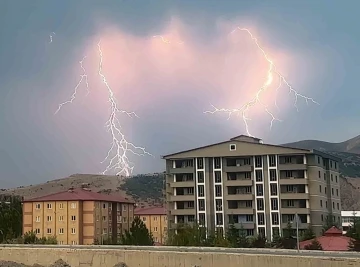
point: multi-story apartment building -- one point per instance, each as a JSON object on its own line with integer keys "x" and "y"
{"x": 257, "y": 186}
{"x": 78, "y": 216}
{"x": 155, "y": 219}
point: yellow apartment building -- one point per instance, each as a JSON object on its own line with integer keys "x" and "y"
{"x": 155, "y": 219}
{"x": 78, "y": 216}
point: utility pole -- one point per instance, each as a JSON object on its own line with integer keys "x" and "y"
{"x": 296, "y": 222}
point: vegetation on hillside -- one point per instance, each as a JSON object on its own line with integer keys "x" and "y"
{"x": 145, "y": 187}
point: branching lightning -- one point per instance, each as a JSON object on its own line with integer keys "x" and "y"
{"x": 117, "y": 154}
{"x": 165, "y": 40}
{"x": 272, "y": 71}
{"x": 83, "y": 77}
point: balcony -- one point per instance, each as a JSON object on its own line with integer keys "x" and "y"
{"x": 293, "y": 210}
{"x": 187, "y": 211}
{"x": 240, "y": 211}
{"x": 237, "y": 165}
{"x": 239, "y": 182}
{"x": 183, "y": 166}
{"x": 245, "y": 225}
{"x": 182, "y": 198}
{"x": 291, "y": 163}
{"x": 292, "y": 195}
{"x": 239, "y": 197}
{"x": 292, "y": 167}
{"x": 293, "y": 181}
{"x": 182, "y": 170}
{"x": 182, "y": 184}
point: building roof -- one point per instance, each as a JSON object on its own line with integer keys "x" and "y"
{"x": 332, "y": 240}
{"x": 80, "y": 194}
{"x": 150, "y": 211}
{"x": 241, "y": 139}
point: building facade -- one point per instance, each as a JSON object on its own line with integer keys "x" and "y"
{"x": 347, "y": 218}
{"x": 257, "y": 186}
{"x": 155, "y": 219}
{"x": 78, "y": 216}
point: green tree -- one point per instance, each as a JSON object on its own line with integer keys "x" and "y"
{"x": 243, "y": 240}
{"x": 10, "y": 218}
{"x": 354, "y": 234}
{"x": 232, "y": 235}
{"x": 188, "y": 235}
{"x": 329, "y": 222}
{"x": 314, "y": 245}
{"x": 258, "y": 242}
{"x": 277, "y": 241}
{"x": 138, "y": 234}
{"x": 307, "y": 234}
{"x": 220, "y": 240}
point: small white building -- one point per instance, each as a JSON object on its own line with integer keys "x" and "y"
{"x": 347, "y": 218}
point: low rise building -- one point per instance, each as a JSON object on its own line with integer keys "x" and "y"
{"x": 155, "y": 219}
{"x": 347, "y": 217}
{"x": 78, "y": 216}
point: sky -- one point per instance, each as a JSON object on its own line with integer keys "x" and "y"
{"x": 169, "y": 83}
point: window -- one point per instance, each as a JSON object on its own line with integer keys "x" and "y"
{"x": 73, "y": 218}
{"x": 200, "y": 177}
{"x": 261, "y": 219}
{"x": 336, "y": 179}
{"x": 330, "y": 163}
{"x": 124, "y": 207}
{"x": 332, "y": 178}
{"x": 259, "y": 177}
{"x": 274, "y": 204}
{"x": 61, "y": 231}
{"x": 201, "y": 204}
{"x": 275, "y": 218}
{"x": 260, "y": 204}
{"x": 202, "y": 218}
{"x": 155, "y": 229}
{"x": 249, "y": 218}
{"x": 272, "y": 161}
{"x": 273, "y": 189}
{"x": 321, "y": 204}
{"x": 104, "y": 218}
{"x": 49, "y": 206}
{"x": 49, "y": 219}
{"x": 258, "y": 161}
{"x": 217, "y": 163}
{"x": 332, "y": 191}
{"x": 48, "y": 231}
{"x": 288, "y": 174}
{"x": 218, "y": 190}
{"x": 61, "y": 205}
{"x": 37, "y": 231}
{"x": 338, "y": 206}
{"x": 320, "y": 188}
{"x": 287, "y": 159}
{"x": 290, "y": 203}
{"x": 119, "y": 219}
{"x": 73, "y": 231}
{"x": 318, "y": 159}
{"x": 201, "y": 190}
{"x": 200, "y": 163}
{"x": 324, "y": 177}
{"x": 61, "y": 218}
{"x": 322, "y": 217}
{"x": 218, "y": 203}
{"x": 326, "y": 204}
{"x": 259, "y": 190}
{"x": 232, "y": 147}
{"x": 249, "y": 232}
{"x": 325, "y": 190}
{"x": 144, "y": 219}
{"x": 219, "y": 219}
{"x": 73, "y": 205}
{"x": 319, "y": 174}
{"x": 335, "y": 165}
{"x": 248, "y": 203}
{"x": 273, "y": 175}
{"x": 73, "y": 242}
{"x": 155, "y": 218}
{"x": 333, "y": 204}
{"x": 247, "y": 175}
{"x": 124, "y": 220}
{"x": 217, "y": 177}
{"x": 37, "y": 218}
{"x": 37, "y": 206}
{"x": 261, "y": 231}
{"x": 337, "y": 192}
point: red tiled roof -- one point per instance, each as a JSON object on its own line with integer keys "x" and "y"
{"x": 80, "y": 194}
{"x": 150, "y": 211}
{"x": 332, "y": 240}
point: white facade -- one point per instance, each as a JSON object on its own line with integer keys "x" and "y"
{"x": 346, "y": 219}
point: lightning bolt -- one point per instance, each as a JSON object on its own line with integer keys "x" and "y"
{"x": 165, "y": 40}
{"x": 51, "y": 37}
{"x": 117, "y": 154}
{"x": 83, "y": 77}
{"x": 256, "y": 100}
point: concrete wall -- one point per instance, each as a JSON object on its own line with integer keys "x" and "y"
{"x": 108, "y": 256}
